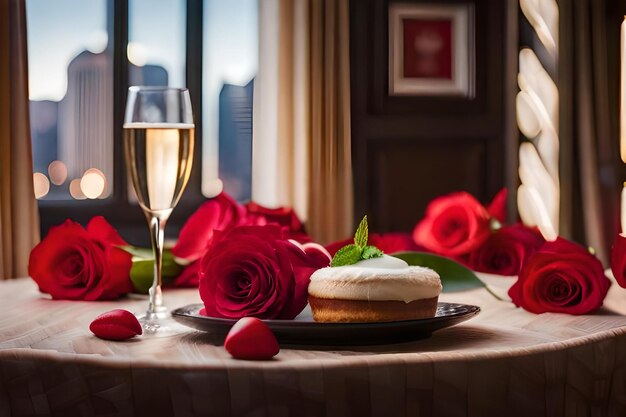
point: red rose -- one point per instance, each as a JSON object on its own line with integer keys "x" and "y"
{"x": 219, "y": 213}
{"x": 188, "y": 277}
{"x": 618, "y": 260}
{"x": 497, "y": 207}
{"x": 332, "y": 248}
{"x": 283, "y": 216}
{"x": 454, "y": 225}
{"x": 387, "y": 242}
{"x": 254, "y": 271}
{"x": 394, "y": 242}
{"x": 72, "y": 263}
{"x": 561, "y": 277}
{"x": 506, "y": 250}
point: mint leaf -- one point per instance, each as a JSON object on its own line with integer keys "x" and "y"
{"x": 360, "y": 237}
{"x": 370, "y": 252}
{"x": 358, "y": 251}
{"x": 454, "y": 276}
{"x": 348, "y": 255}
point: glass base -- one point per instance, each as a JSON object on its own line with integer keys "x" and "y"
{"x": 160, "y": 324}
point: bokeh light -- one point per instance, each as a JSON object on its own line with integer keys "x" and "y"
{"x": 212, "y": 187}
{"x": 58, "y": 172}
{"x": 93, "y": 183}
{"x": 41, "y": 185}
{"x": 75, "y": 191}
{"x": 104, "y": 178}
{"x": 97, "y": 41}
{"x": 137, "y": 54}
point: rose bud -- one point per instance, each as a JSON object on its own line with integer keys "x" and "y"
{"x": 561, "y": 277}
{"x": 72, "y": 263}
{"x": 454, "y": 225}
{"x": 255, "y": 271}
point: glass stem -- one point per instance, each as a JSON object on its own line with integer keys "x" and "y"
{"x": 156, "y": 309}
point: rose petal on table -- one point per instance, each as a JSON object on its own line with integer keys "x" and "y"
{"x": 116, "y": 325}
{"x": 250, "y": 338}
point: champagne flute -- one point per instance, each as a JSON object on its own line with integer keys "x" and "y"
{"x": 158, "y": 145}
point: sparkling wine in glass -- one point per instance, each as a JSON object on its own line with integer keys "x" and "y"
{"x": 158, "y": 145}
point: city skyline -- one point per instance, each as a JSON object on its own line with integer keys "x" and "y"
{"x": 83, "y": 119}
{"x": 78, "y": 129}
{"x": 72, "y": 115}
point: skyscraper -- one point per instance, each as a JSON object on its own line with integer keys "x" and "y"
{"x": 147, "y": 75}
{"x": 86, "y": 115}
{"x": 43, "y": 120}
{"x": 235, "y": 140}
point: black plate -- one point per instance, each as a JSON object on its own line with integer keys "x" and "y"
{"x": 303, "y": 330}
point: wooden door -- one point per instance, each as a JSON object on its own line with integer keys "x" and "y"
{"x": 409, "y": 149}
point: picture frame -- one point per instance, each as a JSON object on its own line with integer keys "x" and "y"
{"x": 431, "y": 49}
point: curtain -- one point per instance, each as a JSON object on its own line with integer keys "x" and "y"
{"x": 301, "y": 124}
{"x": 590, "y": 151}
{"x": 19, "y": 224}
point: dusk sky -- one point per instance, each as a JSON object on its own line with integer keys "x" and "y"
{"x": 59, "y": 30}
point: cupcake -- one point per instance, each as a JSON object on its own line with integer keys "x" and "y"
{"x": 380, "y": 289}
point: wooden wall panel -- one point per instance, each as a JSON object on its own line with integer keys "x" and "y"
{"x": 406, "y": 181}
{"x": 407, "y": 150}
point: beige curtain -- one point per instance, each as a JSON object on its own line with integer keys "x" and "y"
{"x": 301, "y": 125}
{"x": 590, "y": 151}
{"x": 19, "y": 223}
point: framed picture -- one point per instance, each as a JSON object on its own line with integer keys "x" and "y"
{"x": 431, "y": 49}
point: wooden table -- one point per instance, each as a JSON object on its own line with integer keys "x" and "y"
{"x": 504, "y": 362}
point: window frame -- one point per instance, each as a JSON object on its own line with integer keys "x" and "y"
{"x": 125, "y": 216}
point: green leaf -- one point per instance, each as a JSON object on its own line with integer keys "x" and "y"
{"x": 144, "y": 253}
{"x": 141, "y": 274}
{"x": 142, "y": 271}
{"x": 371, "y": 252}
{"x": 348, "y": 255}
{"x": 360, "y": 237}
{"x": 454, "y": 276}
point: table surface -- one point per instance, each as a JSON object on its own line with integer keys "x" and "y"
{"x": 503, "y": 359}
{"x": 33, "y": 324}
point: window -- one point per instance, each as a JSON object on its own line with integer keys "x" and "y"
{"x": 230, "y": 57}
{"x": 83, "y": 55}
{"x": 156, "y": 42}
{"x": 71, "y": 98}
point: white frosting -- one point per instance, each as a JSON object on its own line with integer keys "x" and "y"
{"x": 380, "y": 279}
